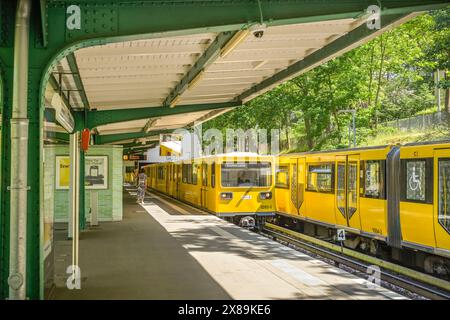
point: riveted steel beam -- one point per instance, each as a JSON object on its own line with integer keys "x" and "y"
{"x": 43, "y": 18}
{"x": 98, "y": 118}
{"x": 119, "y": 18}
{"x": 137, "y": 151}
{"x": 330, "y": 51}
{"x": 208, "y": 57}
{"x": 136, "y": 147}
{"x": 111, "y": 138}
{"x": 59, "y": 136}
{"x": 72, "y": 61}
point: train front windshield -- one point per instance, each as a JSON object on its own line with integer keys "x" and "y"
{"x": 245, "y": 174}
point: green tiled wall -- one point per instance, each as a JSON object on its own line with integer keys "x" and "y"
{"x": 109, "y": 200}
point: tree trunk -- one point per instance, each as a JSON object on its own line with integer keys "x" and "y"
{"x": 309, "y": 138}
{"x": 383, "y": 44}
{"x": 372, "y": 56}
{"x": 447, "y": 94}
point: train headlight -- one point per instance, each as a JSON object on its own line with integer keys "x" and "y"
{"x": 226, "y": 195}
{"x": 265, "y": 195}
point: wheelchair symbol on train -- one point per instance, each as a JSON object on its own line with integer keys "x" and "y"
{"x": 414, "y": 181}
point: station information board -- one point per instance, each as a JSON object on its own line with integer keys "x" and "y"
{"x": 135, "y": 157}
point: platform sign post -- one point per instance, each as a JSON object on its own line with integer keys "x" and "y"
{"x": 340, "y": 236}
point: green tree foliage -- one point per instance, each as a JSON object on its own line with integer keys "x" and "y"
{"x": 388, "y": 78}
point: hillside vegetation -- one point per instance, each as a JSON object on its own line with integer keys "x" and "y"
{"x": 388, "y": 78}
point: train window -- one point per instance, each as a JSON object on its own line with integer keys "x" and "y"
{"x": 246, "y": 174}
{"x": 213, "y": 175}
{"x": 373, "y": 179}
{"x": 194, "y": 173}
{"x": 416, "y": 180}
{"x": 160, "y": 173}
{"x": 187, "y": 173}
{"x": 444, "y": 194}
{"x": 320, "y": 178}
{"x": 282, "y": 177}
{"x": 352, "y": 182}
{"x": 204, "y": 174}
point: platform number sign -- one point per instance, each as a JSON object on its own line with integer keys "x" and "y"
{"x": 341, "y": 235}
{"x": 73, "y": 21}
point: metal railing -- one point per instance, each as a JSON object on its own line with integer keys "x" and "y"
{"x": 420, "y": 122}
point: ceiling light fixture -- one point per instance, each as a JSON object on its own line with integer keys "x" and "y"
{"x": 196, "y": 80}
{"x": 234, "y": 42}
{"x": 174, "y": 101}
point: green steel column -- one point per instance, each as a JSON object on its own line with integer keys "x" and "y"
{"x": 35, "y": 114}
{"x": 7, "y": 12}
{"x": 82, "y": 197}
{"x": 5, "y": 163}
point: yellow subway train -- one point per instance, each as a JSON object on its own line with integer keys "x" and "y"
{"x": 392, "y": 200}
{"x": 236, "y": 184}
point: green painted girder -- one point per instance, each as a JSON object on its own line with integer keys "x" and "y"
{"x": 55, "y": 85}
{"x": 208, "y": 57}
{"x": 129, "y": 150}
{"x": 118, "y": 18}
{"x": 335, "y": 48}
{"x": 98, "y": 118}
{"x": 111, "y": 138}
{"x": 137, "y": 145}
{"x": 72, "y": 61}
{"x": 60, "y": 136}
{"x": 43, "y": 18}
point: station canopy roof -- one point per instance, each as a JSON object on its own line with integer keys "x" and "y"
{"x": 221, "y": 70}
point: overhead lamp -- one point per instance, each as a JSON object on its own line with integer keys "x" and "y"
{"x": 174, "y": 101}
{"x": 234, "y": 42}
{"x": 196, "y": 79}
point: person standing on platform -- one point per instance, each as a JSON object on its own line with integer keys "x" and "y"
{"x": 142, "y": 186}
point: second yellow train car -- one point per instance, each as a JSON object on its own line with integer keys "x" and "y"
{"x": 389, "y": 197}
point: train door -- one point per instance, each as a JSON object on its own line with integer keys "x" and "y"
{"x": 442, "y": 198}
{"x": 178, "y": 181}
{"x": 204, "y": 186}
{"x": 167, "y": 176}
{"x": 173, "y": 192}
{"x": 347, "y": 187}
{"x": 297, "y": 183}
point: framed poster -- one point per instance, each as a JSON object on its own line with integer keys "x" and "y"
{"x": 62, "y": 172}
{"x": 96, "y": 172}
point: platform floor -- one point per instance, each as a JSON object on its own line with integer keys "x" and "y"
{"x": 167, "y": 250}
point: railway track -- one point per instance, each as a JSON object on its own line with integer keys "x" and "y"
{"x": 402, "y": 278}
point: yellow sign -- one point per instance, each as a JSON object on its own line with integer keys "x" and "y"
{"x": 62, "y": 172}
